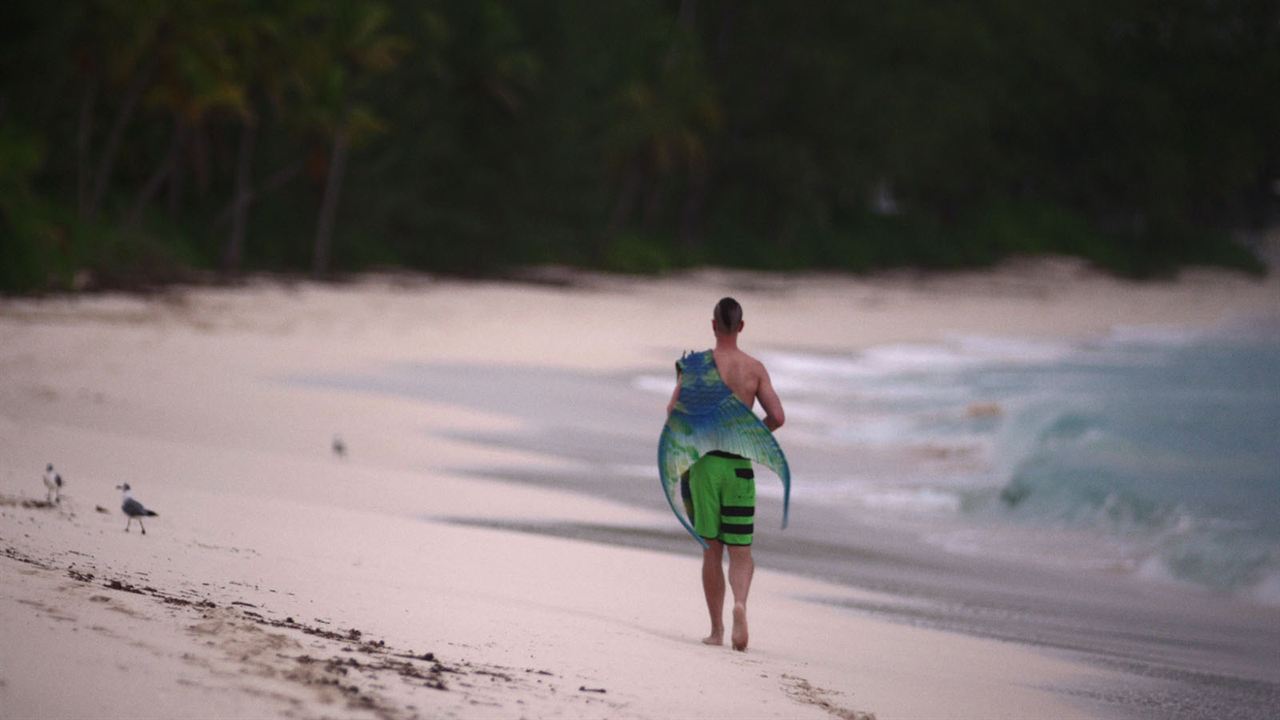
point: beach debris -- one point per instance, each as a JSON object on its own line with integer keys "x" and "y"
{"x": 985, "y": 410}
{"x": 801, "y": 691}
{"x": 8, "y": 501}
{"x": 79, "y": 575}
{"x": 101, "y": 509}
{"x": 134, "y": 509}
{"x": 258, "y": 643}
{"x": 1015, "y": 492}
{"x": 115, "y": 584}
{"x": 53, "y": 484}
{"x": 339, "y": 447}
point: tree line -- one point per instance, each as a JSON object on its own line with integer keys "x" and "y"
{"x": 140, "y": 140}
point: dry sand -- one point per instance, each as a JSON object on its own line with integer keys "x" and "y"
{"x": 279, "y": 580}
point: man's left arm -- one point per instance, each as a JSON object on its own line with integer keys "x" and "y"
{"x": 774, "y": 416}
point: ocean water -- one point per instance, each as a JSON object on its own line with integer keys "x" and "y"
{"x": 1153, "y": 452}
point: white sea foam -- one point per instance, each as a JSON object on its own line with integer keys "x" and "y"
{"x": 883, "y": 430}
{"x": 913, "y": 358}
{"x": 814, "y": 413}
{"x": 1162, "y": 335}
{"x": 955, "y": 353}
{"x": 1154, "y": 569}
{"x": 912, "y": 500}
{"x": 1267, "y": 590}
{"x": 806, "y": 365}
{"x": 915, "y": 391}
{"x": 646, "y": 470}
{"x": 654, "y": 384}
{"x": 993, "y": 349}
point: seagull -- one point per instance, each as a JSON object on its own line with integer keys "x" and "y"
{"x": 53, "y": 483}
{"x": 134, "y": 509}
{"x": 339, "y": 447}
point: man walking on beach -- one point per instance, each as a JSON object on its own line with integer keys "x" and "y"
{"x": 719, "y": 489}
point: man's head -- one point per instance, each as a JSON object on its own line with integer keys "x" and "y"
{"x": 727, "y": 318}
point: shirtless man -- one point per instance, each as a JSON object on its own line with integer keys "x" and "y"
{"x": 727, "y": 481}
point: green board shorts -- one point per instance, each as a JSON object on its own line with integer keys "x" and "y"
{"x": 719, "y": 494}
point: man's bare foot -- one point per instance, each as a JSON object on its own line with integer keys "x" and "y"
{"x": 739, "y": 626}
{"x": 715, "y": 638}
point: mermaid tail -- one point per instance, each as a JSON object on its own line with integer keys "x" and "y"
{"x": 708, "y": 416}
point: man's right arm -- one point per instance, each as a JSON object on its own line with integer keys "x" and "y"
{"x": 774, "y": 416}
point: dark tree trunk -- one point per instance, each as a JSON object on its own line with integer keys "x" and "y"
{"x": 728, "y": 15}
{"x": 686, "y": 15}
{"x": 329, "y": 204}
{"x": 653, "y": 203}
{"x": 276, "y": 181}
{"x": 106, "y": 165}
{"x": 162, "y": 173}
{"x": 84, "y": 136}
{"x": 177, "y": 174}
{"x": 200, "y": 159}
{"x": 695, "y": 200}
{"x": 627, "y": 196}
{"x": 231, "y": 258}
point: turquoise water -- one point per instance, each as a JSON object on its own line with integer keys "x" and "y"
{"x": 1157, "y": 448}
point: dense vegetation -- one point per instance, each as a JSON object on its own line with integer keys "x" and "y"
{"x": 139, "y": 139}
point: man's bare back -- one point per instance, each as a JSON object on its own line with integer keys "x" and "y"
{"x": 748, "y": 379}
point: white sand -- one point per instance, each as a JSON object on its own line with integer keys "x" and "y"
{"x": 184, "y": 397}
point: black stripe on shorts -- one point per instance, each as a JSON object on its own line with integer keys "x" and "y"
{"x": 737, "y": 529}
{"x": 746, "y": 473}
{"x": 736, "y": 511}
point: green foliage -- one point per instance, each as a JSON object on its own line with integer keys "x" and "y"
{"x": 26, "y": 237}
{"x": 632, "y": 135}
{"x": 53, "y": 250}
{"x": 636, "y": 254}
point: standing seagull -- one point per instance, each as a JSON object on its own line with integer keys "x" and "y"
{"x": 53, "y": 483}
{"x": 339, "y": 447}
{"x": 134, "y": 509}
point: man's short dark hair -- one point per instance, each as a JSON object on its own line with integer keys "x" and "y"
{"x": 728, "y": 314}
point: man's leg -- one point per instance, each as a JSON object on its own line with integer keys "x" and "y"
{"x": 713, "y": 588}
{"x": 741, "y": 568}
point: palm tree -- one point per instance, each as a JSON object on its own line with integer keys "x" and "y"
{"x": 119, "y": 44}
{"x": 339, "y": 63}
{"x": 195, "y": 78}
{"x": 263, "y": 50}
{"x": 664, "y": 125}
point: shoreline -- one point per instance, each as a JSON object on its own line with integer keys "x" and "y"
{"x": 195, "y": 401}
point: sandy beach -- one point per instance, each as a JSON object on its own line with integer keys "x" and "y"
{"x": 410, "y": 578}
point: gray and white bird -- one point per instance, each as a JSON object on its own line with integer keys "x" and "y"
{"x": 52, "y": 483}
{"x": 134, "y": 509}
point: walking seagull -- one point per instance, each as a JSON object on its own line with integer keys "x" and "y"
{"x": 53, "y": 483}
{"x": 134, "y": 509}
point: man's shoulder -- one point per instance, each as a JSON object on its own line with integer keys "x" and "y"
{"x": 753, "y": 363}
{"x": 748, "y": 365}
